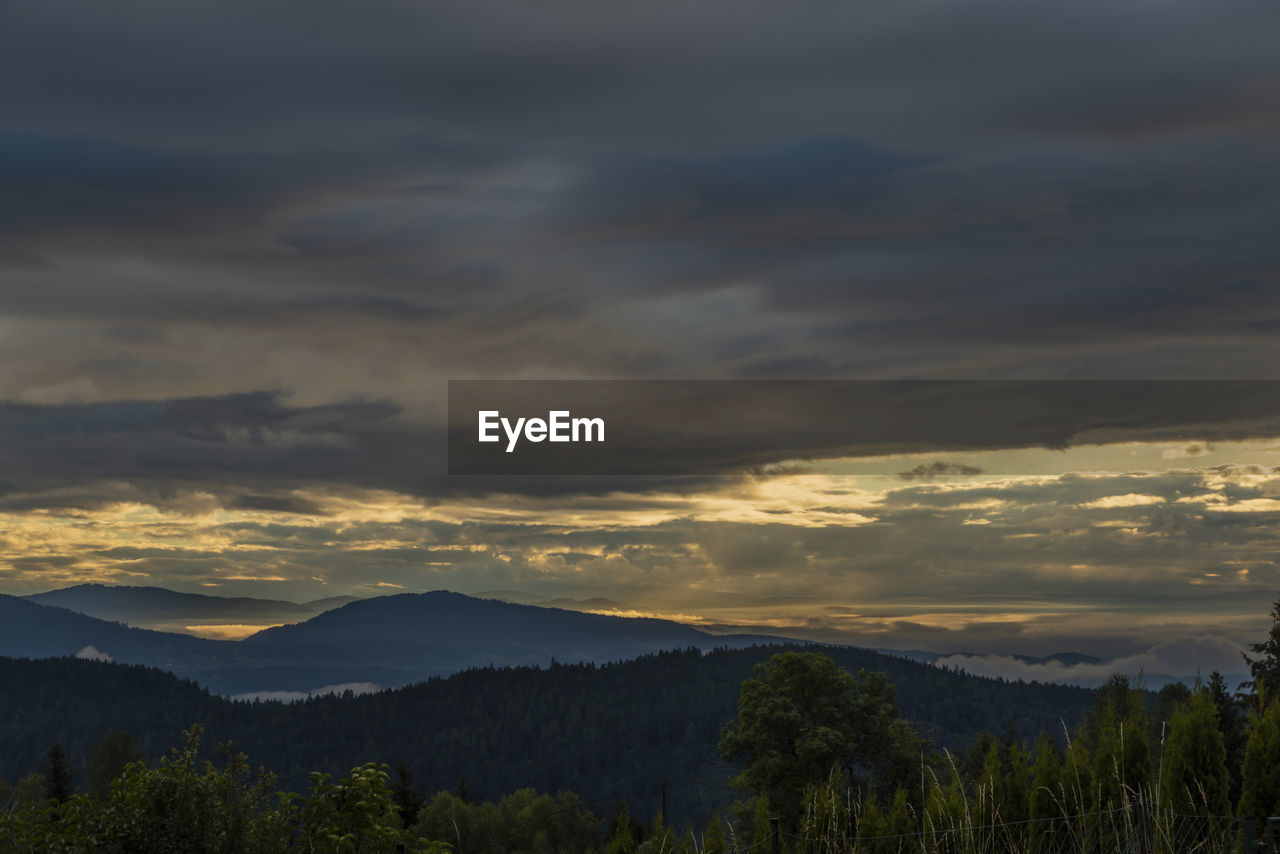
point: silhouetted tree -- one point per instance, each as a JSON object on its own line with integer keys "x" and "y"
{"x": 1260, "y": 777}
{"x": 1193, "y": 774}
{"x": 1265, "y": 669}
{"x": 107, "y": 761}
{"x": 407, "y": 799}
{"x": 57, "y": 775}
{"x": 1231, "y": 720}
{"x": 801, "y": 714}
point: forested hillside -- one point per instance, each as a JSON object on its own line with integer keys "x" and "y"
{"x": 602, "y": 731}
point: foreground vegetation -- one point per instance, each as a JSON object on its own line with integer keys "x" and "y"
{"x": 827, "y": 764}
{"x": 633, "y": 729}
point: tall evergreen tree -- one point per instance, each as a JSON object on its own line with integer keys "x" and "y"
{"x": 1121, "y": 753}
{"x": 107, "y": 761}
{"x": 1193, "y": 772}
{"x": 408, "y": 800}
{"x": 1265, "y": 669}
{"x": 1231, "y": 721}
{"x": 57, "y": 775}
{"x": 1046, "y": 780}
{"x": 1260, "y": 779}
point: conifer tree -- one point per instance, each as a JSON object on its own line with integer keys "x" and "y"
{"x": 1193, "y": 773}
{"x": 57, "y": 775}
{"x": 107, "y": 761}
{"x": 1260, "y": 780}
{"x": 1231, "y": 721}
{"x": 1046, "y": 780}
{"x": 1265, "y": 669}
{"x": 713, "y": 840}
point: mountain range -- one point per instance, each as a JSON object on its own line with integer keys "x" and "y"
{"x": 187, "y": 613}
{"x": 386, "y": 640}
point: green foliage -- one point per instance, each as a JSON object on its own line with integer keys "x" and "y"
{"x": 195, "y": 807}
{"x": 829, "y": 808}
{"x": 107, "y": 761}
{"x": 713, "y": 838}
{"x": 623, "y": 836}
{"x": 408, "y": 800}
{"x": 57, "y": 775}
{"x": 355, "y": 814}
{"x": 1265, "y": 669}
{"x": 1046, "y": 780}
{"x": 801, "y": 715}
{"x": 1231, "y": 723}
{"x": 602, "y": 731}
{"x": 761, "y": 821}
{"x": 1117, "y": 730}
{"x": 1260, "y": 788}
{"x": 1193, "y": 773}
{"x": 1015, "y": 796}
{"x": 523, "y": 822}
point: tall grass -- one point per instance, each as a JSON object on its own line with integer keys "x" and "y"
{"x": 949, "y": 818}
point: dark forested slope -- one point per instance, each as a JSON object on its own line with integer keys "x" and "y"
{"x": 604, "y": 732}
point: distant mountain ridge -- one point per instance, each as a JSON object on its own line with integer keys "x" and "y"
{"x": 149, "y": 605}
{"x": 519, "y": 597}
{"x": 387, "y": 640}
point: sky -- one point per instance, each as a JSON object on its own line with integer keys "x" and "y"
{"x": 244, "y": 246}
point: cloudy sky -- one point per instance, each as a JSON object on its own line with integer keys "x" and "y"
{"x": 244, "y": 246}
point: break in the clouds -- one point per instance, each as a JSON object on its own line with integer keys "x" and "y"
{"x": 1102, "y": 564}
{"x": 244, "y": 245}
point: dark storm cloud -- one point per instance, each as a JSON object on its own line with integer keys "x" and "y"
{"x": 234, "y": 439}
{"x": 707, "y": 427}
{"x": 332, "y": 70}
{"x": 337, "y": 198}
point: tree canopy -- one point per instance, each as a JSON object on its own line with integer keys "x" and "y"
{"x": 800, "y": 715}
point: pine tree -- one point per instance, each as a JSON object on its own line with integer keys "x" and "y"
{"x": 408, "y": 800}
{"x": 1260, "y": 780}
{"x": 713, "y": 841}
{"x": 1265, "y": 669}
{"x": 107, "y": 761}
{"x": 1231, "y": 722}
{"x": 1122, "y": 754}
{"x": 1016, "y": 805}
{"x": 57, "y": 775}
{"x": 1193, "y": 773}
{"x": 1046, "y": 780}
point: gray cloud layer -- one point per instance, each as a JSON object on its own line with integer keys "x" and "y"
{"x": 345, "y": 204}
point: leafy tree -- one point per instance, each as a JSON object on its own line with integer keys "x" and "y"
{"x": 107, "y": 761}
{"x": 29, "y": 791}
{"x": 57, "y": 775}
{"x": 355, "y": 815}
{"x": 193, "y": 806}
{"x": 1193, "y": 774}
{"x": 800, "y": 715}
